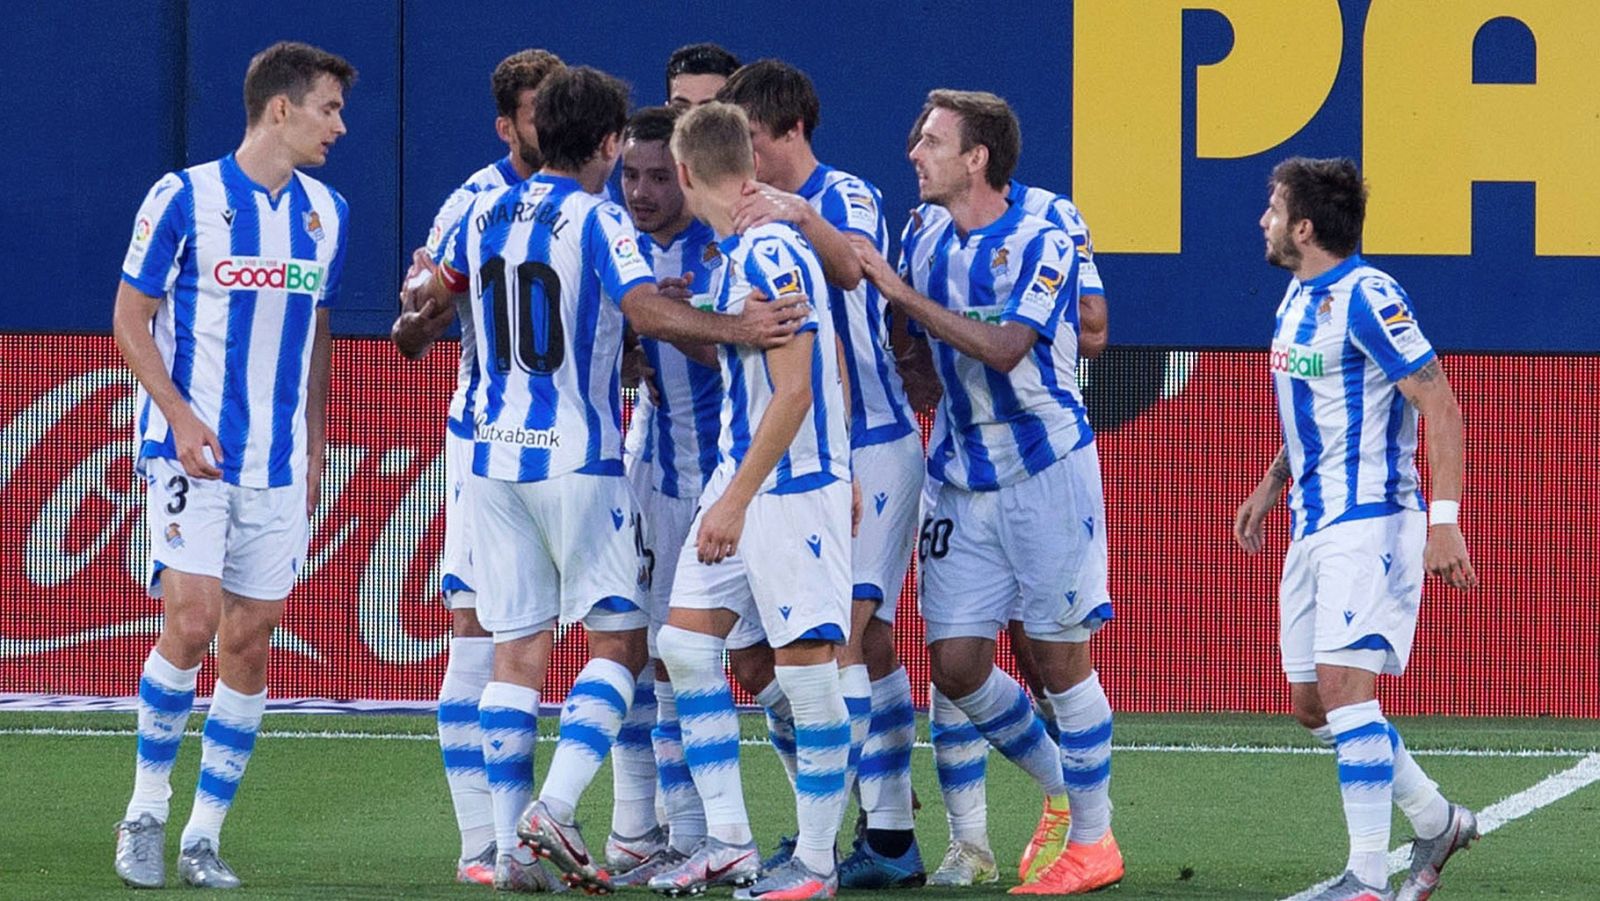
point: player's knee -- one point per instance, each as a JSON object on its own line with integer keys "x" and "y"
{"x": 189, "y": 634}
{"x": 627, "y": 648}
{"x": 1306, "y": 705}
{"x": 751, "y": 667}
{"x": 953, "y": 676}
{"x": 464, "y": 623}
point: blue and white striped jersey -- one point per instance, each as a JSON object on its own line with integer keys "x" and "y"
{"x": 1056, "y": 209}
{"x": 777, "y": 259}
{"x": 683, "y": 428}
{"x": 1342, "y": 341}
{"x": 995, "y": 429}
{"x": 498, "y": 174}
{"x": 241, "y": 275}
{"x": 547, "y": 265}
{"x": 879, "y": 410}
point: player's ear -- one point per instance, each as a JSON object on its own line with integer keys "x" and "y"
{"x": 685, "y": 181}
{"x": 611, "y": 145}
{"x": 505, "y": 129}
{"x": 978, "y": 162}
{"x": 278, "y": 108}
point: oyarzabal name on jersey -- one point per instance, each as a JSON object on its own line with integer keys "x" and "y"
{"x": 1297, "y": 362}
{"x": 521, "y": 437}
{"x": 542, "y": 213}
{"x": 256, "y": 273}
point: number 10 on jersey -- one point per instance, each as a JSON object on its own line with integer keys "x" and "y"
{"x": 525, "y": 315}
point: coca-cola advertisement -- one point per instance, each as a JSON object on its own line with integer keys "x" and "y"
{"x": 1182, "y": 438}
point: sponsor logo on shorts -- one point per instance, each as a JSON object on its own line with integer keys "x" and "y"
{"x": 174, "y": 536}
{"x": 616, "y": 518}
{"x": 1297, "y": 362}
{"x": 1088, "y": 525}
{"x": 248, "y": 273}
{"x": 881, "y": 499}
{"x": 1388, "y": 562}
{"x": 784, "y": 612}
{"x": 815, "y": 543}
{"x": 539, "y": 439}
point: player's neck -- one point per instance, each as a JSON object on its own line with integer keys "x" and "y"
{"x": 523, "y": 170}
{"x": 591, "y": 177}
{"x": 1315, "y": 261}
{"x": 977, "y": 207}
{"x": 720, "y": 201}
{"x": 799, "y": 170}
{"x": 668, "y": 233}
{"x": 267, "y": 162}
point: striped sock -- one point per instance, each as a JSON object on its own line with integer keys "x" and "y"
{"x": 710, "y": 728}
{"x": 857, "y": 690}
{"x": 961, "y": 757}
{"x": 1004, "y": 713}
{"x": 780, "y": 725}
{"x": 590, "y": 721}
{"x": 1415, "y": 794}
{"x": 1366, "y": 785}
{"x": 166, "y": 695}
{"x": 822, "y": 744}
{"x": 633, "y": 763}
{"x": 686, "y": 817}
{"x": 225, "y": 745}
{"x": 885, "y": 772}
{"x": 1084, "y": 717}
{"x": 461, "y": 740}
{"x": 509, "y": 716}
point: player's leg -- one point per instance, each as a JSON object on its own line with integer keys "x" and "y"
{"x": 961, "y": 758}
{"x": 751, "y": 663}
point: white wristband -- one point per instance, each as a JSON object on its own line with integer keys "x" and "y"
{"x": 1444, "y": 513}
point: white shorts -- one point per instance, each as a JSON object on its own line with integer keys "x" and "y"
{"x": 1349, "y": 595}
{"x": 455, "y": 569}
{"x": 1034, "y": 551}
{"x": 565, "y": 548}
{"x": 891, "y": 476}
{"x": 253, "y": 539}
{"x": 666, "y": 522}
{"x": 792, "y": 569}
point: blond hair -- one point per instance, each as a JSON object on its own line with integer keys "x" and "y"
{"x": 713, "y": 141}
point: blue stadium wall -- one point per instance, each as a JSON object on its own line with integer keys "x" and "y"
{"x": 1477, "y": 125}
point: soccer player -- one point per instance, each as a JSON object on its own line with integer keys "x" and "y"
{"x": 222, "y": 316}
{"x": 696, "y": 72}
{"x": 886, "y": 451}
{"x": 1352, "y": 371}
{"x": 1018, "y": 505}
{"x": 960, "y": 752}
{"x": 471, "y": 647}
{"x": 771, "y": 540}
{"x": 551, "y": 270}
{"x": 679, "y": 435}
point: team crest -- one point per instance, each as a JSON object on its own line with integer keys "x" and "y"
{"x": 1000, "y": 261}
{"x": 1325, "y": 311}
{"x": 174, "y": 536}
{"x": 712, "y": 258}
{"x": 314, "y": 226}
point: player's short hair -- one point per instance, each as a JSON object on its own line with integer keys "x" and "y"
{"x": 700, "y": 59}
{"x": 521, "y": 71}
{"x": 713, "y": 140}
{"x": 653, "y": 123}
{"x": 1330, "y": 193}
{"x": 775, "y": 95}
{"x": 290, "y": 68}
{"x": 574, "y": 111}
{"x": 985, "y": 119}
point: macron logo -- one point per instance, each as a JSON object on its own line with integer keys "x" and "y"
{"x": 1388, "y": 561}
{"x": 881, "y": 498}
{"x": 616, "y": 517}
{"x": 784, "y": 611}
{"x": 815, "y": 543}
{"x": 1088, "y": 524}
{"x": 1349, "y": 616}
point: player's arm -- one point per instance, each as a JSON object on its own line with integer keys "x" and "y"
{"x": 1094, "y": 325}
{"x": 1446, "y": 552}
{"x": 317, "y": 388}
{"x": 913, "y": 359}
{"x": 130, "y": 326}
{"x": 1248, "y": 519}
{"x": 677, "y": 287}
{"x": 427, "y": 308}
{"x": 762, "y": 323}
{"x": 999, "y": 346}
{"x": 789, "y": 368}
{"x": 763, "y": 203}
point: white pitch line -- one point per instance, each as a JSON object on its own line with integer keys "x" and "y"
{"x": 1293, "y": 750}
{"x": 1546, "y": 791}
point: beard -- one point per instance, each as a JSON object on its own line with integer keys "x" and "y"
{"x": 530, "y": 156}
{"x": 1283, "y": 254}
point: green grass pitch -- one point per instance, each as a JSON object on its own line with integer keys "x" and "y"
{"x": 369, "y": 817}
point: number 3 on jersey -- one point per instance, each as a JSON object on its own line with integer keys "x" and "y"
{"x": 531, "y": 324}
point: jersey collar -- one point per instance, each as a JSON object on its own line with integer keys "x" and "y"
{"x": 507, "y": 170}
{"x": 232, "y": 171}
{"x": 1005, "y": 224}
{"x": 1336, "y": 273}
{"x": 695, "y": 232}
{"x": 814, "y": 183}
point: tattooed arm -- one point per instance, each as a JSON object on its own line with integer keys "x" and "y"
{"x": 1248, "y": 519}
{"x": 1446, "y": 552}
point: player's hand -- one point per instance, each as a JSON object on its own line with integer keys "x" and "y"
{"x": 763, "y": 203}
{"x": 635, "y": 367}
{"x": 873, "y": 266}
{"x": 675, "y": 287}
{"x": 199, "y": 451}
{"x": 855, "y": 507}
{"x": 720, "y": 529}
{"x": 1248, "y": 519}
{"x": 420, "y": 262}
{"x": 1445, "y": 556}
{"x": 764, "y": 323}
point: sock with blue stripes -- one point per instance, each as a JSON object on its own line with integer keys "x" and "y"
{"x": 961, "y": 758}
{"x": 857, "y": 690}
{"x": 686, "y": 817}
{"x": 166, "y": 695}
{"x": 633, "y": 763}
{"x": 590, "y": 721}
{"x": 461, "y": 740}
{"x": 509, "y": 716}
{"x": 885, "y": 771}
{"x": 822, "y": 756}
{"x": 780, "y": 725}
{"x": 1083, "y": 716}
{"x": 710, "y": 728}
{"x": 1003, "y": 712}
{"x": 1415, "y": 794}
{"x": 1366, "y": 785}
{"x": 225, "y": 745}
